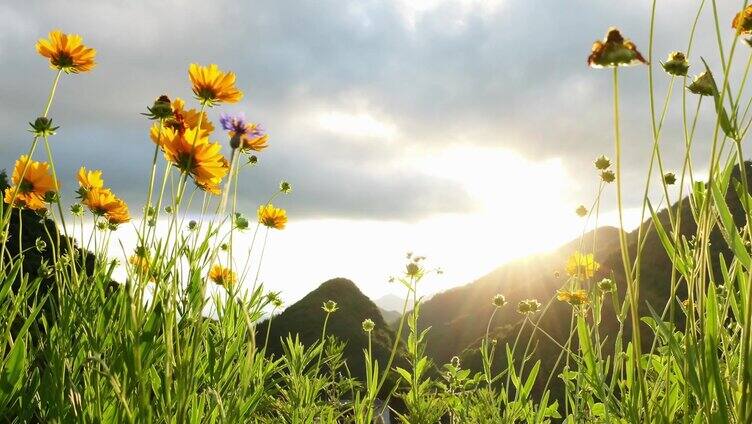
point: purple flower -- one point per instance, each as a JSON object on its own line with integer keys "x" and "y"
{"x": 234, "y": 123}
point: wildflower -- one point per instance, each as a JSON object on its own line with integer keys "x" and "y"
{"x": 222, "y": 276}
{"x": 141, "y": 265}
{"x": 582, "y": 265}
{"x": 102, "y": 202}
{"x": 602, "y": 163}
{"x": 573, "y": 297}
{"x": 528, "y": 306}
{"x": 244, "y": 135}
{"x": 67, "y": 52}
{"x": 669, "y": 178}
{"x": 183, "y": 119}
{"x": 703, "y": 84}
{"x": 608, "y": 176}
{"x": 412, "y": 269}
{"x": 742, "y": 22}
{"x": 211, "y": 85}
{"x": 241, "y": 222}
{"x": 161, "y": 109}
{"x": 272, "y": 217}
{"x": 192, "y": 225}
{"x": 36, "y": 187}
{"x": 368, "y": 325}
{"x": 77, "y": 209}
{"x": 224, "y": 247}
{"x": 329, "y": 306}
{"x": 42, "y": 127}
{"x": 285, "y": 187}
{"x": 252, "y": 160}
{"x": 499, "y": 300}
{"x": 88, "y": 180}
{"x": 274, "y": 300}
{"x": 614, "y": 51}
{"x": 606, "y": 285}
{"x": 676, "y": 64}
{"x": 40, "y": 245}
{"x": 195, "y": 155}
{"x": 581, "y": 211}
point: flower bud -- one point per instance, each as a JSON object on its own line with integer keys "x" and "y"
{"x": 602, "y": 163}
{"x": 368, "y": 325}
{"x": 676, "y": 64}
{"x": 703, "y": 84}
{"x": 499, "y": 300}
{"x": 581, "y": 211}
{"x": 608, "y": 176}
{"x": 329, "y": 306}
{"x": 669, "y": 178}
{"x": 42, "y": 127}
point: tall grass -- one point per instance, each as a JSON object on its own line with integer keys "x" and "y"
{"x": 175, "y": 340}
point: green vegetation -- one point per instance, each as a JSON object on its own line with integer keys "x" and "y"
{"x": 649, "y": 326}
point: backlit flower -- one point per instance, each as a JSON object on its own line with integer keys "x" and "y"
{"x": 102, "y": 202}
{"x": 499, "y": 300}
{"x": 243, "y": 134}
{"x": 703, "y": 84}
{"x": 669, "y": 178}
{"x": 602, "y": 163}
{"x": 676, "y": 64}
{"x": 573, "y": 297}
{"x": 67, "y": 52}
{"x": 582, "y": 265}
{"x": 606, "y": 285}
{"x": 35, "y": 188}
{"x": 528, "y": 306}
{"x": 203, "y": 159}
{"x": 88, "y": 180}
{"x": 329, "y": 306}
{"x": 608, "y": 176}
{"x": 222, "y": 276}
{"x": 742, "y": 22}
{"x": 614, "y": 51}
{"x": 272, "y": 217}
{"x": 368, "y": 325}
{"x": 211, "y": 85}
{"x": 581, "y": 211}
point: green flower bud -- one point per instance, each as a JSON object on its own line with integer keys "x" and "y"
{"x": 703, "y": 84}
{"x": 40, "y": 245}
{"x": 42, "y": 127}
{"x": 161, "y": 109}
{"x": 608, "y": 176}
{"x": 499, "y": 300}
{"x": 581, "y": 211}
{"x": 602, "y": 163}
{"x": 368, "y": 325}
{"x": 669, "y": 178}
{"x": 329, "y": 306}
{"x": 676, "y": 64}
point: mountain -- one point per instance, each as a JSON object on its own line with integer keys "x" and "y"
{"x": 306, "y": 319}
{"x": 391, "y": 302}
{"x": 390, "y": 316}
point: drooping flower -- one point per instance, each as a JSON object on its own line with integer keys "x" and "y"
{"x": 582, "y": 265}
{"x": 222, "y": 276}
{"x": 614, "y": 51}
{"x": 703, "y": 84}
{"x": 102, "y": 202}
{"x": 243, "y": 134}
{"x": 67, "y": 52}
{"x": 272, "y": 217}
{"x": 211, "y": 85}
{"x": 573, "y": 297}
{"x": 35, "y": 189}
{"x": 676, "y": 64}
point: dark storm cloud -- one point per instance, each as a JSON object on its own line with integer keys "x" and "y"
{"x": 513, "y": 77}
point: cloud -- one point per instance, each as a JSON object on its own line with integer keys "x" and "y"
{"x": 347, "y": 88}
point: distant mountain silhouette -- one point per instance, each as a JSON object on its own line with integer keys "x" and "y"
{"x": 306, "y": 319}
{"x": 390, "y": 316}
{"x": 391, "y": 302}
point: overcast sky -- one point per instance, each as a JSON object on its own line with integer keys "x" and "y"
{"x": 376, "y": 110}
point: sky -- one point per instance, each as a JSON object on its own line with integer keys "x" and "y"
{"x": 462, "y": 130}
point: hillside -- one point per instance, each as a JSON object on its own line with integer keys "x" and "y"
{"x": 306, "y": 318}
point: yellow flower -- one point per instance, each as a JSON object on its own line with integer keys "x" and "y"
{"x": 34, "y": 189}
{"x": 222, "y": 276}
{"x": 582, "y": 266}
{"x": 102, "y": 202}
{"x": 142, "y": 266}
{"x": 272, "y": 217}
{"x": 67, "y": 52}
{"x": 614, "y": 51}
{"x": 202, "y": 160}
{"x": 573, "y": 297}
{"x": 211, "y": 85}
{"x": 742, "y": 22}
{"x": 89, "y": 179}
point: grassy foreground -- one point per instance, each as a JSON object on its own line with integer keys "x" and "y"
{"x": 176, "y": 341}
